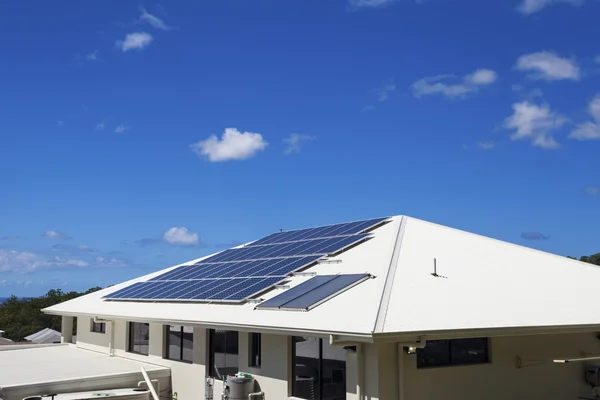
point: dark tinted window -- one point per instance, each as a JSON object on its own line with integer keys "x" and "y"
{"x": 180, "y": 343}
{"x": 98, "y": 327}
{"x": 139, "y": 337}
{"x": 319, "y": 370}
{"x": 438, "y": 353}
{"x": 223, "y": 353}
{"x": 255, "y": 350}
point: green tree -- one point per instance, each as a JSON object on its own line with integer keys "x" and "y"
{"x": 22, "y": 317}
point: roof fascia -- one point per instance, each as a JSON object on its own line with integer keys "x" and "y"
{"x": 345, "y": 336}
{"x": 491, "y": 332}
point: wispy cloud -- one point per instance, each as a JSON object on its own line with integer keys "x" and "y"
{"x": 536, "y": 123}
{"x": 446, "y": 84}
{"x": 100, "y": 126}
{"x": 144, "y": 242}
{"x": 134, "y": 41}
{"x": 597, "y": 59}
{"x": 367, "y": 108}
{"x": 356, "y": 4}
{"x": 72, "y": 249}
{"x": 52, "y": 234}
{"x": 546, "y": 65}
{"x": 233, "y": 145}
{"x": 119, "y": 129}
{"x": 12, "y": 237}
{"x": 153, "y": 20}
{"x": 383, "y": 92}
{"x": 60, "y": 123}
{"x": 534, "y": 236}
{"x": 295, "y": 141}
{"x": 93, "y": 56}
{"x": 528, "y": 7}
{"x": 26, "y": 262}
{"x": 589, "y": 130}
{"x": 490, "y": 145}
{"x": 593, "y": 190}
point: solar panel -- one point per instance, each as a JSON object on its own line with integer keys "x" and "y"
{"x": 313, "y": 292}
{"x": 240, "y": 273}
{"x": 348, "y": 228}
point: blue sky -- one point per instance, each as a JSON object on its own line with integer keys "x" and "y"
{"x": 135, "y": 135}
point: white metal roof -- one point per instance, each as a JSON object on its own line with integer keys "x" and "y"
{"x": 484, "y": 284}
{"x": 38, "y": 367}
{"x": 46, "y": 335}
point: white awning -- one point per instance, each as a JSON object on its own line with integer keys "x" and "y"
{"x": 30, "y": 370}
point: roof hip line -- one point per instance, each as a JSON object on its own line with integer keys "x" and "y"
{"x": 389, "y": 279}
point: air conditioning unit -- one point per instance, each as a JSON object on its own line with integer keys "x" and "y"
{"x": 592, "y": 376}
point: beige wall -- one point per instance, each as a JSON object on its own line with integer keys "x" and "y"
{"x": 538, "y": 379}
{"x": 188, "y": 380}
{"x": 387, "y": 373}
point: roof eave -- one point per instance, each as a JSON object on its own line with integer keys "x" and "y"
{"x": 416, "y": 336}
{"x": 363, "y": 337}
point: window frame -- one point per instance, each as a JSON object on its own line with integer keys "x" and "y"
{"x": 97, "y": 327}
{"x": 130, "y": 334}
{"x": 167, "y": 330}
{"x": 454, "y": 361}
{"x": 254, "y": 350}
{"x": 319, "y": 389}
{"x": 211, "y": 353}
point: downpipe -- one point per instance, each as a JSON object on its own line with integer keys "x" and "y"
{"x": 111, "y": 350}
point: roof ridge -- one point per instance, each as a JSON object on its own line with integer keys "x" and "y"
{"x": 389, "y": 279}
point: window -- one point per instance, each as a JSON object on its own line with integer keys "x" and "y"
{"x": 223, "y": 353}
{"x": 139, "y": 338}
{"x": 440, "y": 353}
{"x": 180, "y": 343}
{"x": 319, "y": 370}
{"x": 254, "y": 342}
{"x": 98, "y": 327}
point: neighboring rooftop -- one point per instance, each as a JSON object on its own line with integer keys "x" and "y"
{"x": 44, "y": 336}
{"x": 478, "y": 284}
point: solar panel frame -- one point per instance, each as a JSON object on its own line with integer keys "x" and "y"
{"x": 313, "y": 292}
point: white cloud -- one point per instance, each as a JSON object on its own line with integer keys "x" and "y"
{"x": 93, "y": 56}
{"x": 490, "y": 145}
{"x": 481, "y": 77}
{"x": 55, "y": 235}
{"x": 120, "y": 129}
{"x": 181, "y": 236}
{"x": 233, "y": 145}
{"x": 442, "y": 84}
{"x": 153, "y": 20}
{"x": 546, "y": 65}
{"x": 589, "y": 130}
{"x": 534, "y": 122}
{"x": 134, "y": 41}
{"x": 100, "y": 126}
{"x": 294, "y": 142}
{"x": 383, "y": 92}
{"x": 532, "y": 6}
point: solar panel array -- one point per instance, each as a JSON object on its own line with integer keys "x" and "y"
{"x": 313, "y": 292}
{"x": 238, "y": 274}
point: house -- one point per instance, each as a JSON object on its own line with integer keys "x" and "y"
{"x": 405, "y": 310}
{"x": 46, "y": 335}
